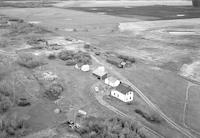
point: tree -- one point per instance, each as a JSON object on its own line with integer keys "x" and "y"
{"x": 196, "y": 3}
{"x": 5, "y": 104}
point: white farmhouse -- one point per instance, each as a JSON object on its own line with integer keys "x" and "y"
{"x": 123, "y": 92}
{"x": 111, "y": 81}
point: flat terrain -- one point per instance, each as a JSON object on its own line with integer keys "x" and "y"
{"x": 114, "y": 3}
{"x": 192, "y": 114}
{"x": 146, "y": 12}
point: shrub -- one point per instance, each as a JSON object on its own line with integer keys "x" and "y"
{"x": 6, "y": 88}
{"x": 29, "y": 60}
{"x": 6, "y": 95}
{"x": 24, "y": 29}
{"x": 37, "y": 43}
{"x": 75, "y": 57}
{"x": 70, "y": 62}
{"x": 5, "y": 104}
{"x": 4, "y": 43}
{"x": 51, "y": 56}
{"x": 16, "y": 20}
{"x": 107, "y": 128}
{"x": 53, "y": 91}
{"x": 65, "y": 55}
{"x": 127, "y": 58}
{"x": 13, "y": 127}
{"x": 87, "y": 46}
{"x": 23, "y": 102}
{"x": 151, "y": 118}
{"x": 196, "y": 3}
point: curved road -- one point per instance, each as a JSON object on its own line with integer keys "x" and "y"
{"x": 99, "y": 98}
{"x": 146, "y": 99}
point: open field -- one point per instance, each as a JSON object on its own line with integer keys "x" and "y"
{"x": 163, "y": 88}
{"x": 192, "y": 114}
{"x": 158, "y": 12}
{"x": 128, "y": 3}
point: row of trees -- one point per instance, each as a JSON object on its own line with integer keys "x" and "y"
{"x": 93, "y": 127}
{"x": 11, "y": 126}
{"x": 73, "y": 58}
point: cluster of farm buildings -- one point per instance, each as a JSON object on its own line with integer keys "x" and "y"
{"x": 119, "y": 89}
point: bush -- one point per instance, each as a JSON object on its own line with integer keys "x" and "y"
{"x": 13, "y": 127}
{"x": 37, "y": 42}
{"x": 127, "y": 58}
{"x": 154, "y": 118}
{"x": 4, "y": 43}
{"x": 87, "y": 46}
{"x": 107, "y": 128}
{"x": 51, "y": 56}
{"x": 53, "y": 91}
{"x": 24, "y": 29}
{"x": 65, "y": 55}
{"x": 70, "y": 62}
{"x": 16, "y": 20}
{"x": 6, "y": 95}
{"x": 29, "y": 60}
{"x": 5, "y": 104}
{"x": 196, "y": 3}
{"x": 23, "y": 102}
{"x": 75, "y": 57}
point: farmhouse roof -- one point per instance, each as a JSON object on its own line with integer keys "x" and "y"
{"x": 112, "y": 79}
{"x": 123, "y": 88}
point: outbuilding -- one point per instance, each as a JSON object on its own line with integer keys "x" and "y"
{"x": 100, "y": 73}
{"x": 116, "y": 61}
{"x": 111, "y": 81}
{"x": 83, "y": 67}
{"x": 123, "y": 92}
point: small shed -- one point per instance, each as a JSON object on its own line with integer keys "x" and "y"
{"x": 85, "y": 68}
{"x": 111, "y": 81}
{"x": 100, "y": 73}
{"x": 82, "y": 112}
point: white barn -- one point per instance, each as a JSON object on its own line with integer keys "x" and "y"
{"x": 100, "y": 73}
{"x": 111, "y": 81}
{"x": 123, "y": 92}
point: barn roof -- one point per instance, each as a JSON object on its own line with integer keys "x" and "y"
{"x": 112, "y": 79}
{"x": 100, "y": 71}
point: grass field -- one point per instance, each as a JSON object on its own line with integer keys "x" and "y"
{"x": 162, "y": 87}
{"x": 193, "y": 112}
{"x": 157, "y": 12}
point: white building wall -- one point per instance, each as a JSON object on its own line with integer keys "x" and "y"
{"x": 129, "y": 97}
{"x": 112, "y": 84}
{"x": 125, "y": 98}
{"x": 118, "y": 95}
